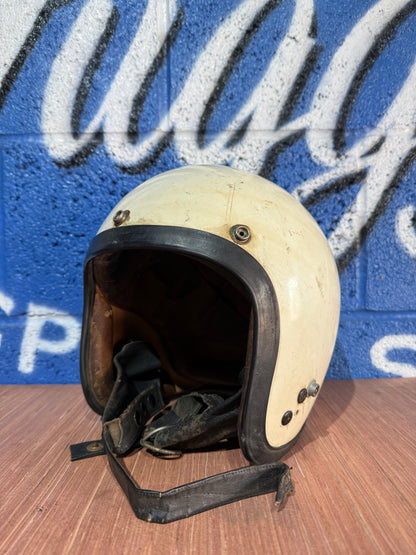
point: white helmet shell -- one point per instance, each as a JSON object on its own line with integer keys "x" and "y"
{"x": 259, "y": 234}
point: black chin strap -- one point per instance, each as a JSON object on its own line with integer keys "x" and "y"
{"x": 134, "y": 400}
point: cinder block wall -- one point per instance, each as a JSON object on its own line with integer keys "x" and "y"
{"x": 98, "y": 95}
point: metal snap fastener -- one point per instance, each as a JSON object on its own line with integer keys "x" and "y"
{"x": 240, "y": 234}
{"x": 94, "y": 446}
{"x": 287, "y": 417}
{"x": 303, "y": 393}
{"x": 313, "y": 389}
{"x": 120, "y": 217}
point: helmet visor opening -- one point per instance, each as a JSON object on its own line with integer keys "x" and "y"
{"x": 194, "y": 313}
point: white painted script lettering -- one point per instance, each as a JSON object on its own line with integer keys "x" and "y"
{"x": 376, "y": 159}
{"x": 380, "y": 355}
{"x": 251, "y": 140}
{"x": 33, "y": 342}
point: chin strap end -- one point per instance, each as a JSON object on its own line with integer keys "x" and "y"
{"x": 285, "y": 489}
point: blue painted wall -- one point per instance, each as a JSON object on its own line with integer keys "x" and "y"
{"x": 98, "y": 95}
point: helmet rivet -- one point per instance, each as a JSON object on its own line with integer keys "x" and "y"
{"x": 240, "y": 234}
{"x": 287, "y": 417}
{"x": 120, "y": 217}
{"x": 303, "y": 393}
{"x": 313, "y": 389}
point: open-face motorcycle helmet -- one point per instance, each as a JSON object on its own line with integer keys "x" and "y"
{"x": 211, "y": 311}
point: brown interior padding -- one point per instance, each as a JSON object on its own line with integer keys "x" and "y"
{"x": 100, "y": 362}
{"x": 195, "y": 316}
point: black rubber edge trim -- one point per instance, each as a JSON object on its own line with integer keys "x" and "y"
{"x": 214, "y": 249}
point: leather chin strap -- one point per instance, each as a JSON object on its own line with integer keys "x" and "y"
{"x": 195, "y": 420}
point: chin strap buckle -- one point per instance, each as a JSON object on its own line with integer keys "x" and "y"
{"x": 144, "y": 442}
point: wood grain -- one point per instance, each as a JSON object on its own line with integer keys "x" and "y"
{"x": 354, "y": 470}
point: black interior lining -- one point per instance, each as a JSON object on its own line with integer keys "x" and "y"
{"x": 199, "y": 311}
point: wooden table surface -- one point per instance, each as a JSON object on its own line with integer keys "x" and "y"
{"x": 354, "y": 471}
